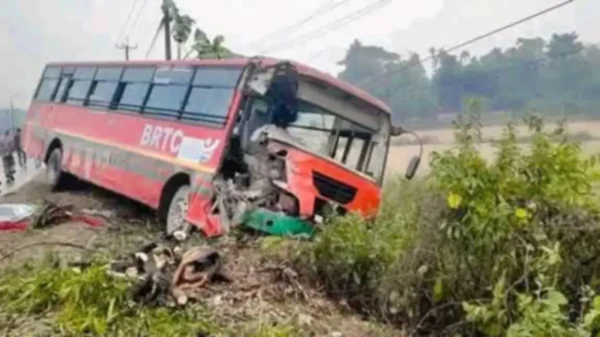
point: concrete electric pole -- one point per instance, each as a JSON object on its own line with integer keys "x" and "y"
{"x": 127, "y": 47}
{"x": 12, "y": 109}
{"x": 167, "y": 23}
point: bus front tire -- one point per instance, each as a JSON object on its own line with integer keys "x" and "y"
{"x": 54, "y": 174}
{"x": 177, "y": 212}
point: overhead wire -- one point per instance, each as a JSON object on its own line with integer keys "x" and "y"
{"x": 475, "y": 39}
{"x": 155, "y": 37}
{"x": 124, "y": 27}
{"x": 319, "y": 11}
{"x": 139, "y": 14}
{"x": 331, "y": 26}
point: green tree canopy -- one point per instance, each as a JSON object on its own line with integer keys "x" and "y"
{"x": 556, "y": 75}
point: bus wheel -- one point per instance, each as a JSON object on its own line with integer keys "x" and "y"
{"x": 53, "y": 175}
{"x": 176, "y": 215}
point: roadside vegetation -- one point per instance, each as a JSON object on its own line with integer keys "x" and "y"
{"x": 508, "y": 247}
{"x": 501, "y": 248}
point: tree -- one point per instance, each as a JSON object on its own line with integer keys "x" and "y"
{"x": 182, "y": 28}
{"x": 367, "y": 62}
{"x": 560, "y": 74}
{"x": 205, "y": 48}
{"x": 201, "y": 45}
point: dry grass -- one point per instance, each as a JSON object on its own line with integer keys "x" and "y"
{"x": 399, "y": 155}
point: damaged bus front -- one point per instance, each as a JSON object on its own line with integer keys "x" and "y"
{"x": 303, "y": 146}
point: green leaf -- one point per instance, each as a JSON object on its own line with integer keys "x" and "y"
{"x": 438, "y": 289}
{"x": 556, "y": 298}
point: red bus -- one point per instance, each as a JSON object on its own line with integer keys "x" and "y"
{"x": 202, "y": 140}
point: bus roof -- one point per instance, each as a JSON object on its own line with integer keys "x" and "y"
{"x": 303, "y": 70}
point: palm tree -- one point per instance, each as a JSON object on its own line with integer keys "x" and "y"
{"x": 182, "y": 25}
{"x": 205, "y": 48}
{"x": 181, "y": 31}
{"x": 182, "y": 28}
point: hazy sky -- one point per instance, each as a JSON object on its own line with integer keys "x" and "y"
{"x": 34, "y": 32}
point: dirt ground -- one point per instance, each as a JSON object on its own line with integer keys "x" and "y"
{"x": 261, "y": 289}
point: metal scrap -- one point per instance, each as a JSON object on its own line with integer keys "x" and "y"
{"x": 51, "y": 214}
{"x": 197, "y": 267}
{"x": 23, "y": 216}
{"x": 166, "y": 277}
{"x": 246, "y": 192}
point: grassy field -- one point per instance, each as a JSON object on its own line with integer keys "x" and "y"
{"x": 399, "y": 155}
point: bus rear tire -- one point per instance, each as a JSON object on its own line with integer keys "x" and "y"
{"x": 54, "y": 175}
{"x": 176, "y": 213}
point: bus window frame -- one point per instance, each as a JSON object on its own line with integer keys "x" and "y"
{"x": 41, "y": 81}
{"x": 110, "y": 105}
{"x": 67, "y": 72}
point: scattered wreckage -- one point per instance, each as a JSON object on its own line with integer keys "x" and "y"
{"x": 302, "y": 150}
{"x": 166, "y": 274}
{"x": 23, "y": 216}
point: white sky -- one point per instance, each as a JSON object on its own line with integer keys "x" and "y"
{"x": 34, "y": 32}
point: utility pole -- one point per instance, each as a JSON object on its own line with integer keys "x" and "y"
{"x": 127, "y": 47}
{"x": 167, "y": 22}
{"x": 12, "y": 109}
{"x": 12, "y": 114}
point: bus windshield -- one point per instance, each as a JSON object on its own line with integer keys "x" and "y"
{"x": 328, "y": 134}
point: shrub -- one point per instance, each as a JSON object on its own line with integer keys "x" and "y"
{"x": 507, "y": 247}
{"x": 90, "y": 302}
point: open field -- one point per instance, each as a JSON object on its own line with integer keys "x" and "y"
{"x": 399, "y": 155}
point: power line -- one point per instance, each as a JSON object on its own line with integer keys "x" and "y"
{"x": 122, "y": 32}
{"x": 477, "y": 38}
{"x": 139, "y": 14}
{"x": 321, "y": 10}
{"x": 333, "y": 25}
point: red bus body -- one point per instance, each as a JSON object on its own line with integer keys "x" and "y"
{"x": 140, "y": 155}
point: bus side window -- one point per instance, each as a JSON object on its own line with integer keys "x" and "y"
{"x": 47, "y": 89}
{"x": 210, "y": 96}
{"x": 48, "y": 84}
{"x": 134, "y": 87}
{"x": 170, "y": 87}
{"x": 105, "y": 87}
{"x": 78, "y": 92}
{"x": 79, "y": 89}
{"x": 61, "y": 92}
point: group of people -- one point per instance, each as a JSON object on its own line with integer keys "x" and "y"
{"x": 10, "y": 143}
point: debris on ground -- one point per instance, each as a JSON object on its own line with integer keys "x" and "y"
{"x": 23, "y": 216}
{"x": 15, "y": 216}
{"x": 278, "y": 223}
{"x": 168, "y": 275}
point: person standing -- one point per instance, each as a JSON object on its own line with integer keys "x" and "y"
{"x": 8, "y": 161}
{"x": 21, "y": 156}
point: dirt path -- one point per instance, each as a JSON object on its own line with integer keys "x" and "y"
{"x": 125, "y": 217}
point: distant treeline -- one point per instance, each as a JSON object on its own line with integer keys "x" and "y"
{"x": 560, "y": 75}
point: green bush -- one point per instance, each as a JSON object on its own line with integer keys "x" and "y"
{"x": 90, "y": 302}
{"x": 507, "y": 247}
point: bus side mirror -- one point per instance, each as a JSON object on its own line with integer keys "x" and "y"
{"x": 413, "y": 165}
{"x": 396, "y": 131}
